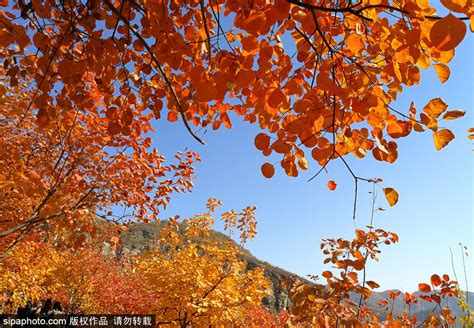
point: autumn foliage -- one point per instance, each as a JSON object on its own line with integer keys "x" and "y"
{"x": 187, "y": 279}
{"x": 81, "y": 83}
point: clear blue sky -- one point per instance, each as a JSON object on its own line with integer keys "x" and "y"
{"x": 434, "y": 212}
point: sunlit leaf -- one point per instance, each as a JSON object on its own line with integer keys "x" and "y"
{"x": 303, "y": 163}
{"x": 391, "y": 195}
{"x": 453, "y": 114}
{"x": 442, "y": 71}
{"x": 442, "y": 138}
{"x": 435, "y": 107}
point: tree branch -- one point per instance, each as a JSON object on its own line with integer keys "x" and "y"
{"x": 158, "y": 66}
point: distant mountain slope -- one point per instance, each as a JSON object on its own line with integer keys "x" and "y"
{"x": 420, "y": 310}
{"x": 140, "y": 237}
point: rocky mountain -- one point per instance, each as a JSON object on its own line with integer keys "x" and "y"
{"x": 420, "y": 310}
{"x": 140, "y": 237}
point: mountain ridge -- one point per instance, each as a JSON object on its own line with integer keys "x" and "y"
{"x": 141, "y": 236}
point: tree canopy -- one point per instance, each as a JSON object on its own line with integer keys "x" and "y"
{"x": 82, "y": 81}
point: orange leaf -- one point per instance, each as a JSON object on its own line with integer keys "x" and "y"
{"x": 358, "y": 264}
{"x": 127, "y": 117}
{"x": 435, "y": 280}
{"x": 254, "y": 22}
{"x": 327, "y": 274}
{"x": 355, "y": 43}
{"x": 435, "y": 107}
{"x": 442, "y": 138}
{"x": 42, "y": 117}
{"x": 114, "y": 128}
{"x": 453, "y": 114}
{"x": 447, "y": 33}
{"x": 111, "y": 113}
{"x": 399, "y": 129}
{"x": 424, "y": 288}
{"x": 442, "y": 71}
{"x": 226, "y": 120}
{"x": 262, "y": 141}
{"x": 268, "y": 170}
{"x": 332, "y": 185}
{"x": 353, "y": 276}
{"x": 455, "y": 5}
{"x": 276, "y": 98}
{"x": 250, "y": 44}
{"x": 373, "y": 284}
{"x": 391, "y": 195}
{"x": 205, "y": 91}
{"x": 245, "y": 77}
{"x": 172, "y": 116}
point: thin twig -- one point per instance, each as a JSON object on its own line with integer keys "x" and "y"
{"x": 158, "y": 66}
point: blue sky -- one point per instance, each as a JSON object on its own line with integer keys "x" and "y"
{"x": 434, "y": 212}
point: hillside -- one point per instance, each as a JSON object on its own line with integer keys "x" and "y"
{"x": 141, "y": 237}
{"x": 420, "y": 309}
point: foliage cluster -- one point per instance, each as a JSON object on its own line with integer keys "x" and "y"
{"x": 81, "y": 83}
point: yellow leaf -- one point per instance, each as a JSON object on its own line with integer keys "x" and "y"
{"x": 435, "y": 107}
{"x": 396, "y": 69}
{"x": 453, "y": 114}
{"x": 391, "y": 195}
{"x": 423, "y": 61}
{"x": 442, "y": 138}
{"x": 303, "y": 164}
{"x": 442, "y": 57}
{"x": 442, "y": 71}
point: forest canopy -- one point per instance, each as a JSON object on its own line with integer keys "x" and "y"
{"x": 82, "y": 81}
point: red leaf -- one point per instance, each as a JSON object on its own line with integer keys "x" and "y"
{"x": 332, "y": 185}
{"x": 435, "y": 280}
{"x": 424, "y": 288}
